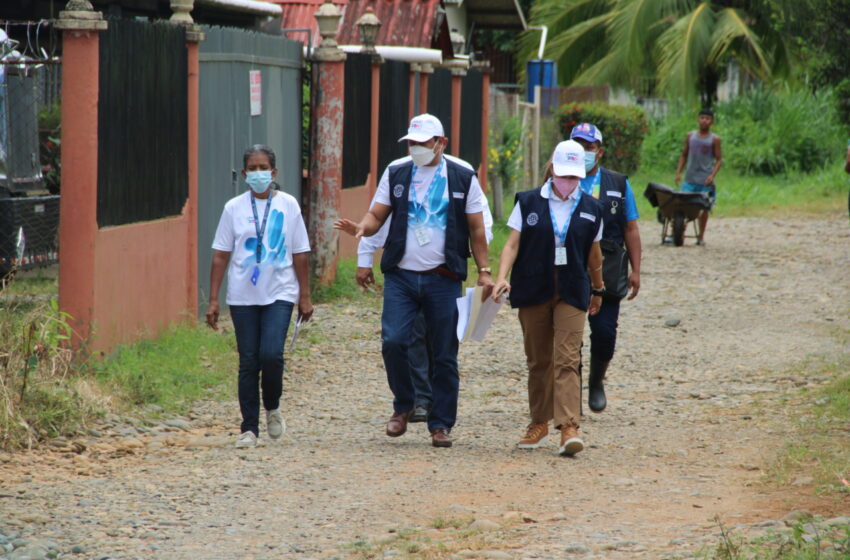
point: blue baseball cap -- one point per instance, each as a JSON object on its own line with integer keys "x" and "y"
{"x": 586, "y": 131}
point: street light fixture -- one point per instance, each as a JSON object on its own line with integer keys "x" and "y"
{"x": 368, "y": 25}
{"x": 328, "y": 16}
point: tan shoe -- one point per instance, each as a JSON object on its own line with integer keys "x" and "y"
{"x": 570, "y": 442}
{"x": 535, "y": 435}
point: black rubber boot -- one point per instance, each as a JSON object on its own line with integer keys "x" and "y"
{"x": 596, "y": 393}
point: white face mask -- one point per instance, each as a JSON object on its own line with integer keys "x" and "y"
{"x": 421, "y": 155}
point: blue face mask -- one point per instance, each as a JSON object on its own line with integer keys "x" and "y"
{"x": 259, "y": 181}
{"x": 589, "y": 160}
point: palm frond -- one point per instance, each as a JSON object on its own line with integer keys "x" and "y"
{"x": 637, "y": 25}
{"x": 682, "y": 50}
{"x": 731, "y": 31}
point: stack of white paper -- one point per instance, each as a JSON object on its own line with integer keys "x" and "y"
{"x": 475, "y": 316}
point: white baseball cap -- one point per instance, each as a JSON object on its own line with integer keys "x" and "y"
{"x": 568, "y": 159}
{"x": 424, "y": 127}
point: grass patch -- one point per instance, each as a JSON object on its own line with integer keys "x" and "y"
{"x": 183, "y": 364}
{"x": 443, "y": 541}
{"x": 804, "y": 541}
{"x": 44, "y": 393}
{"x": 40, "y": 395}
{"x": 820, "y": 447}
{"x": 749, "y": 195}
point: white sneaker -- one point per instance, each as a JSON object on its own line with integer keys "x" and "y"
{"x": 247, "y": 439}
{"x": 275, "y": 424}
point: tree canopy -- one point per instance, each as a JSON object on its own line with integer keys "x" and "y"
{"x": 672, "y": 47}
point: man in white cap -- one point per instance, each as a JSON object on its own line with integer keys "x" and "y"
{"x": 438, "y": 211}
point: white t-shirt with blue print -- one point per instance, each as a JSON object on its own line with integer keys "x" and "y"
{"x": 430, "y": 213}
{"x": 593, "y": 183}
{"x": 285, "y": 235}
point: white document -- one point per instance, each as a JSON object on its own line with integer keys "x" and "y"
{"x": 475, "y": 316}
{"x": 295, "y": 333}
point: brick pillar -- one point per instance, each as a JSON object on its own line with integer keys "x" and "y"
{"x": 484, "y": 68}
{"x": 181, "y": 16}
{"x": 80, "y": 25}
{"x": 375, "y": 123}
{"x": 457, "y": 82}
{"x": 327, "y": 103}
{"x": 425, "y": 70}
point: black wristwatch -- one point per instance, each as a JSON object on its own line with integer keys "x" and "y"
{"x": 595, "y": 292}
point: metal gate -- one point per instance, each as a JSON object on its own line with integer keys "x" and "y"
{"x": 250, "y": 93}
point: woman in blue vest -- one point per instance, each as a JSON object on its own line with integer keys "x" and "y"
{"x": 555, "y": 262}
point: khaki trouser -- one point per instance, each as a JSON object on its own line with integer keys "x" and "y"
{"x": 552, "y": 333}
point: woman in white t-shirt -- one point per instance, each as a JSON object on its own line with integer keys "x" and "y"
{"x": 262, "y": 236}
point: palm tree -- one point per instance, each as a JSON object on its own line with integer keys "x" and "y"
{"x": 675, "y": 47}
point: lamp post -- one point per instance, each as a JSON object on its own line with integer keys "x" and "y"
{"x": 328, "y": 16}
{"x": 369, "y": 25}
{"x": 458, "y": 42}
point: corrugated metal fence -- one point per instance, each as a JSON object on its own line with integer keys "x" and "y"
{"x": 230, "y": 121}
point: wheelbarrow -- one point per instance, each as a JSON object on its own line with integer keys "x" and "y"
{"x": 676, "y": 209}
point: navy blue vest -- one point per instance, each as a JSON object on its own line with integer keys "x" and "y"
{"x": 615, "y": 224}
{"x": 457, "y": 229}
{"x": 533, "y": 273}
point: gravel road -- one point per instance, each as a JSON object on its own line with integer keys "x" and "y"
{"x": 696, "y": 414}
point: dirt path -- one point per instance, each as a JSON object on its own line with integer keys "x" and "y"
{"x": 695, "y": 414}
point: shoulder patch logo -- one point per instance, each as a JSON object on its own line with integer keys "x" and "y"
{"x": 532, "y": 219}
{"x": 398, "y": 190}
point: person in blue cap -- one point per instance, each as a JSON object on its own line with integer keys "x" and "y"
{"x": 620, "y": 233}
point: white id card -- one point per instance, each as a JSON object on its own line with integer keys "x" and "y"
{"x": 560, "y": 256}
{"x": 422, "y": 236}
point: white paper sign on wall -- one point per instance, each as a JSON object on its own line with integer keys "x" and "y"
{"x": 255, "y": 79}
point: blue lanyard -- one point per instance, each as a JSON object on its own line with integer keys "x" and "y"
{"x": 260, "y": 229}
{"x": 434, "y": 180}
{"x": 562, "y": 234}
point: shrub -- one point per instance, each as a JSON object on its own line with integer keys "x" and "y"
{"x": 766, "y": 132}
{"x": 623, "y": 129}
{"x": 505, "y": 159}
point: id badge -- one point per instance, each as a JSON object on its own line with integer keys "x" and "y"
{"x": 422, "y": 236}
{"x": 560, "y": 256}
{"x": 255, "y": 275}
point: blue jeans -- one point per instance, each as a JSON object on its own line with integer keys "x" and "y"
{"x": 603, "y": 331}
{"x": 407, "y": 293}
{"x": 420, "y": 362}
{"x": 260, "y": 336}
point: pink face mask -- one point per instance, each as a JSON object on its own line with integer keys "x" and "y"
{"x": 565, "y": 185}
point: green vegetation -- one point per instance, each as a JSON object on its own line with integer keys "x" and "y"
{"x": 819, "y": 448}
{"x": 677, "y": 47}
{"x": 828, "y": 543}
{"x": 44, "y": 393}
{"x": 445, "y": 538}
{"x": 765, "y": 132}
{"x": 183, "y": 364}
{"x": 741, "y": 195}
{"x": 624, "y": 126}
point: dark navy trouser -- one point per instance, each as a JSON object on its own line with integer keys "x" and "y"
{"x": 260, "y": 335}
{"x": 603, "y": 331}
{"x": 406, "y": 294}
{"x": 419, "y": 354}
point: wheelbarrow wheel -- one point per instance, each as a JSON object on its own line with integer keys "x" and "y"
{"x": 678, "y": 230}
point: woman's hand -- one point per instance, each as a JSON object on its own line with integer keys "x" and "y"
{"x": 305, "y": 308}
{"x": 501, "y": 287}
{"x": 595, "y": 304}
{"x": 212, "y": 315}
